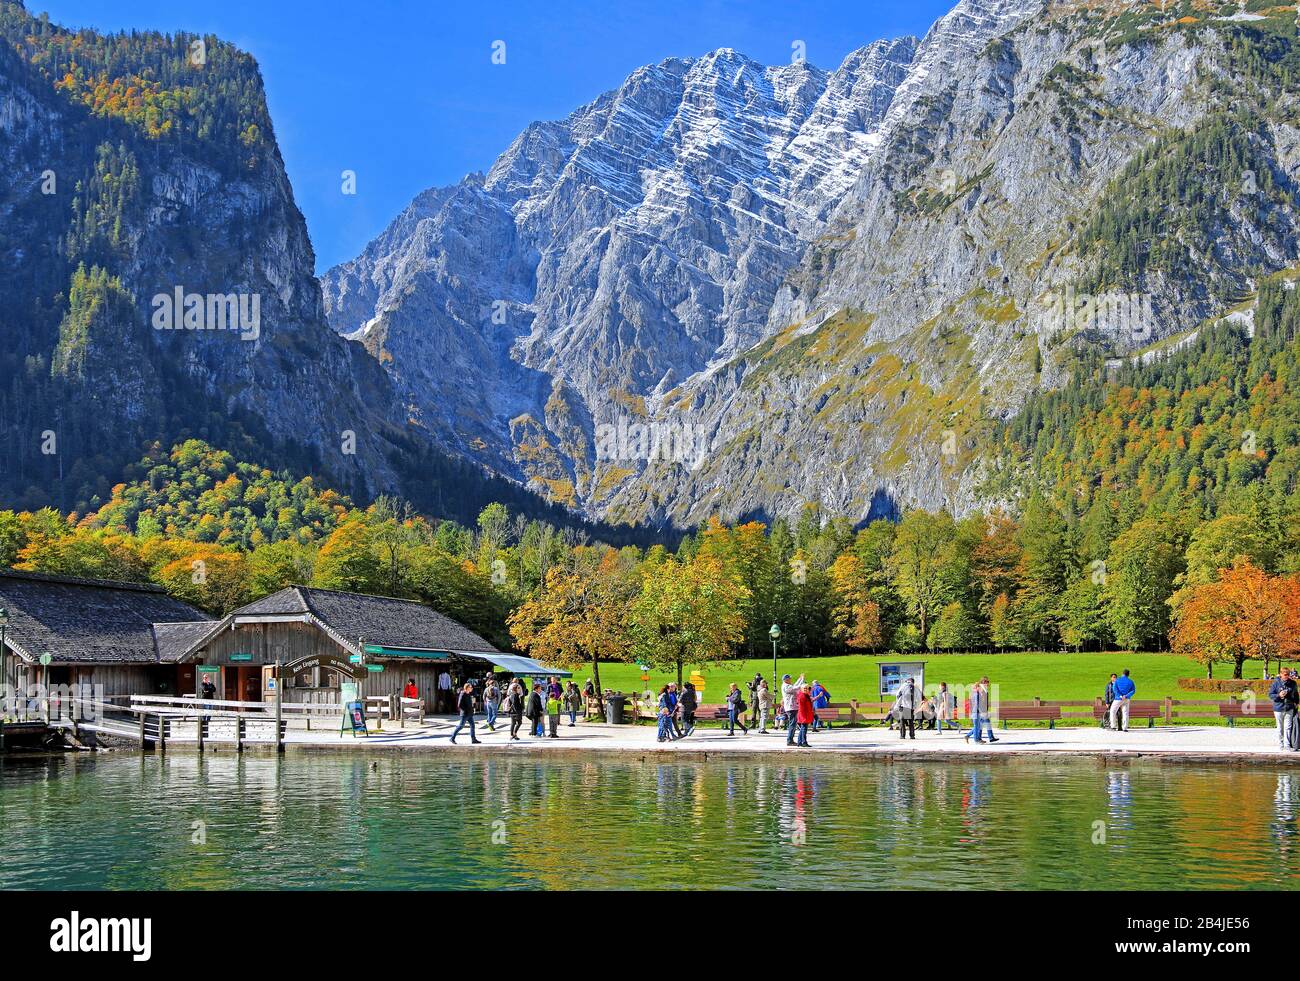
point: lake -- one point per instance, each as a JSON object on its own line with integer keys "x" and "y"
{"x": 427, "y": 820}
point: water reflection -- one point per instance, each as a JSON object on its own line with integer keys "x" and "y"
{"x": 499, "y": 822}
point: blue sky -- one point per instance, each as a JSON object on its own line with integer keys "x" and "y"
{"x": 406, "y": 94}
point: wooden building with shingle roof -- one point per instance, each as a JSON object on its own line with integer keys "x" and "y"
{"x": 133, "y": 639}
{"x": 118, "y": 636}
{"x": 317, "y": 636}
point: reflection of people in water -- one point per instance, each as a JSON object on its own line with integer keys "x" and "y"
{"x": 802, "y": 794}
{"x": 1119, "y": 792}
{"x": 972, "y": 799}
{"x": 1284, "y": 803}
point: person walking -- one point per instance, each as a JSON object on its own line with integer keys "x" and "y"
{"x": 945, "y": 708}
{"x": 589, "y": 694}
{"x": 979, "y": 712}
{"x": 465, "y": 703}
{"x": 905, "y": 708}
{"x": 491, "y": 703}
{"x": 686, "y": 706}
{"x": 764, "y": 698}
{"x": 665, "y": 722}
{"x": 553, "y": 705}
{"x": 515, "y": 705}
{"x": 535, "y": 711}
{"x": 789, "y": 696}
{"x": 664, "y": 714}
{"x": 821, "y": 699}
{"x": 752, "y": 687}
{"x": 1283, "y": 692}
{"x": 735, "y": 709}
{"x": 672, "y": 710}
{"x": 573, "y": 702}
{"x": 804, "y": 713}
{"x": 1124, "y": 692}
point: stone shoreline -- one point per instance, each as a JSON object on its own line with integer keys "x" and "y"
{"x": 1254, "y": 745}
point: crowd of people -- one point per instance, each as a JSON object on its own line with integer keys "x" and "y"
{"x": 794, "y": 710}
{"x": 939, "y": 710}
{"x": 542, "y": 703}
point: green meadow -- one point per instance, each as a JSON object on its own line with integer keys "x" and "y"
{"x": 1020, "y": 676}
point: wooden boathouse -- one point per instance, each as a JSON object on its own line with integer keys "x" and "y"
{"x": 321, "y": 639}
{"x": 132, "y": 639}
{"x": 123, "y": 638}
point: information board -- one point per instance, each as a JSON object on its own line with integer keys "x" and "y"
{"x": 894, "y": 673}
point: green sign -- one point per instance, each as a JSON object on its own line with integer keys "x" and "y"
{"x": 46, "y": 659}
{"x": 209, "y": 669}
{"x": 355, "y": 658}
{"x": 241, "y": 657}
{"x": 373, "y": 649}
{"x": 375, "y": 668}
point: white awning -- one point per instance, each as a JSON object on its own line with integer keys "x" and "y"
{"x": 519, "y": 665}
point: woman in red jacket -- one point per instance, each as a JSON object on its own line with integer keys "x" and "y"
{"x": 804, "y": 714}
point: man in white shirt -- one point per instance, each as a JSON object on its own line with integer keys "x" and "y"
{"x": 788, "y": 692}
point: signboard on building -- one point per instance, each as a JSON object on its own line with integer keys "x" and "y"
{"x": 241, "y": 657}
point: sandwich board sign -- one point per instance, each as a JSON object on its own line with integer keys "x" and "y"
{"x": 355, "y": 716}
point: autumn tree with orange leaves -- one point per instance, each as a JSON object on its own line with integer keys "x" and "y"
{"x": 1245, "y": 614}
{"x": 855, "y": 615}
{"x": 579, "y": 615}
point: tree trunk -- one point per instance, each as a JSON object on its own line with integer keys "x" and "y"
{"x": 1237, "y": 664}
{"x": 679, "y": 674}
{"x": 595, "y": 679}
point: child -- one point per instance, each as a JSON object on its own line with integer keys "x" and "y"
{"x": 553, "y": 712}
{"x": 665, "y": 723}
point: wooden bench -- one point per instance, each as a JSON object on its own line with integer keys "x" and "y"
{"x": 1136, "y": 710}
{"x": 1029, "y": 713}
{"x": 711, "y": 713}
{"x": 836, "y": 712}
{"x": 1261, "y": 708}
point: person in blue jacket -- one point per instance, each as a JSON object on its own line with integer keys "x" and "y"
{"x": 821, "y": 699}
{"x": 1285, "y": 698}
{"x": 1124, "y": 692}
{"x": 1108, "y": 700}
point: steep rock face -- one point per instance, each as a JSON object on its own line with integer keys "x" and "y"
{"x": 827, "y": 286}
{"x": 103, "y": 209}
{"x": 136, "y": 166}
{"x": 973, "y": 239}
{"x": 616, "y": 253}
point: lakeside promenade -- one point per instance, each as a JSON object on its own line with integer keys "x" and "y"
{"x": 1187, "y": 743}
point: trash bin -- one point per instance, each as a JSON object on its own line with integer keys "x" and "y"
{"x": 614, "y": 709}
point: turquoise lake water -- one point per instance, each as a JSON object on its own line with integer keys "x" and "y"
{"x": 401, "y": 821}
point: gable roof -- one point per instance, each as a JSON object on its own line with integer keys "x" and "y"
{"x": 380, "y": 620}
{"x": 88, "y": 621}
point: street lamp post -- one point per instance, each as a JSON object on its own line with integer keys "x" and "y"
{"x": 4, "y": 674}
{"x": 775, "y": 634}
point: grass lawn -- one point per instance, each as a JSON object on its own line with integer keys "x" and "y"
{"x": 1020, "y": 677}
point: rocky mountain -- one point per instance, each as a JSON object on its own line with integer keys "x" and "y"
{"x": 158, "y": 283}
{"x": 730, "y": 288}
